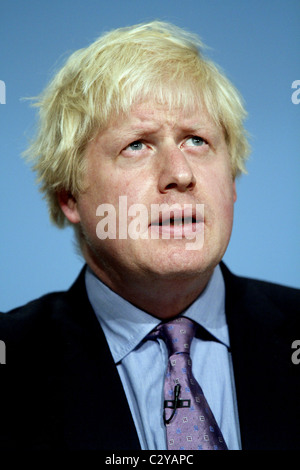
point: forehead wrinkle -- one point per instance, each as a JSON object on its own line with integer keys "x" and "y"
{"x": 152, "y": 118}
{"x": 191, "y": 119}
{"x": 160, "y": 121}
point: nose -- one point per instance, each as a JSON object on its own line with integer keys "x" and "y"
{"x": 175, "y": 171}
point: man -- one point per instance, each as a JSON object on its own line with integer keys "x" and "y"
{"x": 140, "y": 141}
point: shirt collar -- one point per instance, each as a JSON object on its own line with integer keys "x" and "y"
{"x": 208, "y": 310}
{"x": 125, "y": 325}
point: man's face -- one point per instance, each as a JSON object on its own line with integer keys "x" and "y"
{"x": 151, "y": 157}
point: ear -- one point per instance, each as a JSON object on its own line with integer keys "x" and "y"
{"x": 68, "y": 205}
{"x": 234, "y": 192}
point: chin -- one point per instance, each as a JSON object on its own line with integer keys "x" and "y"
{"x": 180, "y": 263}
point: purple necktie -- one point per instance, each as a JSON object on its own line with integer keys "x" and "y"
{"x": 189, "y": 421}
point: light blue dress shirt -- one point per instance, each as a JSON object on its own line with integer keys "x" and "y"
{"x": 142, "y": 363}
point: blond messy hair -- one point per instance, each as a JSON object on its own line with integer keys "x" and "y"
{"x": 124, "y": 66}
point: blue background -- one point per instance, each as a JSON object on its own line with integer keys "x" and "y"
{"x": 256, "y": 42}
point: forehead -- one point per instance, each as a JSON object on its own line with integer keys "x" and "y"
{"x": 152, "y": 114}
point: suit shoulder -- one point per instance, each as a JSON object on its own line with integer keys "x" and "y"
{"x": 45, "y": 303}
{"x": 24, "y": 321}
{"x": 46, "y": 315}
{"x": 260, "y": 293}
{"x": 48, "y": 304}
{"x": 274, "y": 292}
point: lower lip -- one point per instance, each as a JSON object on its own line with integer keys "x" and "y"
{"x": 188, "y": 230}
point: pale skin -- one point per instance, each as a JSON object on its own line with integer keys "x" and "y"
{"x": 156, "y": 156}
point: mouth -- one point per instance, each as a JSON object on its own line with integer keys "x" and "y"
{"x": 177, "y": 223}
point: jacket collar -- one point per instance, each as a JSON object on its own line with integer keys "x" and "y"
{"x": 97, "y": 387}
{"x": 260, "y": 338}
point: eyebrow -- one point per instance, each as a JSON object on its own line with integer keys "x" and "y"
{"x": 151, "y": 128}
{"x": 195, "y": 127}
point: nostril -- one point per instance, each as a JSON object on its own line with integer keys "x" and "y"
{"x": 171, "y": 186}
{"x": 179, "y": 187}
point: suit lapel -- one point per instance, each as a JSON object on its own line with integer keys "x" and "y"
{"x": 260, "y": 343}
{"x": 97, "y": 414}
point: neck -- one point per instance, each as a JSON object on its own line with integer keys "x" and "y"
{"x": 165, "y": 299}
{"x": 161, "y": 297}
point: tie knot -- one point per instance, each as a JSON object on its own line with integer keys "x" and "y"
{"x": 178, "y": 335}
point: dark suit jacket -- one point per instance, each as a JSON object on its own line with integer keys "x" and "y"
{"x": 57, "y": 393}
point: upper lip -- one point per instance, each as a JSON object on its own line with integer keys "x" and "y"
{"x": 185, "y": 215}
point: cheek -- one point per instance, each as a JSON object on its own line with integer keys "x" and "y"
{"x": 220, "y": 197}
{"x": 118, "y": 190}
{"x": 226, "y": 201}
{"x": 134, "y": 185}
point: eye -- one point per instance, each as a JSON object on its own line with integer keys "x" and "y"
{"x": 136, "y": 145}
{"x": 195, "y": 141}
